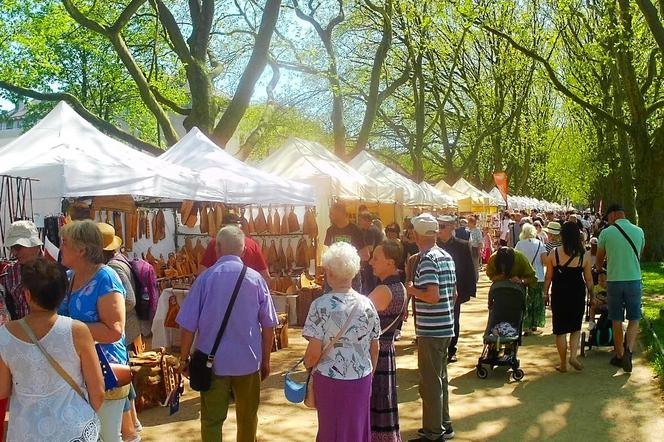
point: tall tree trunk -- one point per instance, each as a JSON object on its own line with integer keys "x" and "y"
{"x": 238, "y": 106}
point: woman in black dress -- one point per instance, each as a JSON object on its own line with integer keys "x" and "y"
{"x": 568, "y": 273}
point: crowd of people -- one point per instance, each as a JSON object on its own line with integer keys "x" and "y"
{"x": 60, "y": 324}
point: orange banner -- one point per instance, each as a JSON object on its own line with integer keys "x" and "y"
{"x": 500, "y": 178}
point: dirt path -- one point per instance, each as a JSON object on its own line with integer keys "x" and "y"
{"x": 600, "y": 403}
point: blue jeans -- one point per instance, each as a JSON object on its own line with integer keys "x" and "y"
{"x": 621, "y": 296}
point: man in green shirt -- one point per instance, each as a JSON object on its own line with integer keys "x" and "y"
{"x": 621, "y": 243}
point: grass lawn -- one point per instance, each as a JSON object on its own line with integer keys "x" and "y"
{"x": 653, "y": 309}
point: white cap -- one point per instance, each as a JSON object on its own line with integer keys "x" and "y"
{"x": 23, "y": 233}
{"x": 425, "y": 224}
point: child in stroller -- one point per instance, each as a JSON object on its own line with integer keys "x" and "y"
{"x": 502, "y": 337}
{"x": 600, "y": 331}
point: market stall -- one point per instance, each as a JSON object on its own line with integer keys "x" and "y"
{"x": 440, "y": 198}
{"x": 482, "y": 201}
{"x": 464, "y": 202}
{"x": 408, "y": 193}
{"x": 310, "y": 162}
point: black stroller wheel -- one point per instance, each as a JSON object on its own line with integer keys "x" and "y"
{"x": 518, "y": 374}
{"x": 482, "y": 372}
{"x": 583, "y": 344}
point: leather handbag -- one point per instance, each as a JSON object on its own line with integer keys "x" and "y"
{"x": 200, "y": 367}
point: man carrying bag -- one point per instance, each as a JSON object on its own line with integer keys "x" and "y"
{"x": 234, "y": 318}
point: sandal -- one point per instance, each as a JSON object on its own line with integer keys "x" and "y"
{"x": 559, "y": 369}
{"x": 576, "y": 364}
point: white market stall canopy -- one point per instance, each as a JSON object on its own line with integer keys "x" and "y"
{"x": 466, "y": 188}
{"x": 71, "y": 158}
{"x": 236, "y": 181}
{"x": 312, "y": 163}
{"x": 439, "y": 198}
{"x": 498, "y": 197}
{"x": 525, "y": 203}
{"x": 408, "y": 191}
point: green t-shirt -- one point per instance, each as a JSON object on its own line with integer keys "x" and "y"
{"x": 621, "y": 262}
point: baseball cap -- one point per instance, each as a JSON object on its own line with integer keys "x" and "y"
{"x": 425, "y": 224}
{"x": 23, "y": 233}
{"x": 614, "y": 208}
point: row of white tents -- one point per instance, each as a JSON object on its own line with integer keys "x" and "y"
{"x": 71, "y": 158}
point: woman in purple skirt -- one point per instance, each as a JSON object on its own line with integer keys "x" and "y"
{"x": 342, "y": 372}
{"x": 389, "y": 299}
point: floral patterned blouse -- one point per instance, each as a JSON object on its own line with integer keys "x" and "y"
{"x": 350, "y": 358}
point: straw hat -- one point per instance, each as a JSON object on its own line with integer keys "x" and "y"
{"x": 553, "y": 228}
{"x": 110, "y": 241}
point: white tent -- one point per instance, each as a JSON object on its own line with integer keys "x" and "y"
{"x": 439, "y": 198}
{"x": 71, "y": 158}
{"x": 463, "y": 186}
{"x": 312, "y": 163}
{"x": 498, "y": 197}
{"x": 236, "y": 182}
{"x": 407, "y": 190}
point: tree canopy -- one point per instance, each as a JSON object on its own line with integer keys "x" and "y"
{"x": 565, "y": 96}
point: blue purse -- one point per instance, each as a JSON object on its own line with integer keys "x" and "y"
{"x": 115, "y": 375}
{"x": 295, "y": 391}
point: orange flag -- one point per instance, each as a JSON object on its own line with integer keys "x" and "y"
{"x": 500, "y": 178}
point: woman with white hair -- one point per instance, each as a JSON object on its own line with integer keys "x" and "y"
{"x": 530, "y": 245}
{"x": 342, "y": 329}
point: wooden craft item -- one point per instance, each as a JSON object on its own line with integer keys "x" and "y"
{"x": 192, "y": 219}
{"x": 117, "y": 223}
{"x": 301, "y": 253}
{"x": 123, "y": 203}
{"x": 276, "y": 222}
{"x": 284, "y": 223}
{"x": 218, "y": 217}
{"x": 212, "y": 226}
{"x": 290, "y": 256}
{"x": 283, "y": 262}
{"x": 261, "y": 223}
{"x": 270, "y": 221}
{"x": 252, "y": 224}
{"x": 186, "y": 208}
{"x": 272, "y": 255}
{"x": 244, "y": 222}
{"x": 205, "y": 224}
{"x": 293, "y": 223}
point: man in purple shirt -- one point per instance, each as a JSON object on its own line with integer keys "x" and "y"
{"x": 243, "y": 357}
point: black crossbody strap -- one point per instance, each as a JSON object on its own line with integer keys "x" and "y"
{"x": 227, "y": 315}
{"x": 539, "y": 245}
{"x": 629, "y": 240}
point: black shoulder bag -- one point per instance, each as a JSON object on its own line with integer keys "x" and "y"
{"x": 629, "y": 240}
{"x": 200, "y": 367}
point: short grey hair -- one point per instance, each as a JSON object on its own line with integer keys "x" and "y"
{"x": 85, "y": 235}
{"x": 528, "y": 231}
{"x": 230, "y": 241}
{"x": 342, "y": 259}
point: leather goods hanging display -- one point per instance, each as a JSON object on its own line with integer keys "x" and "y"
{"x": 192, "y": 219}
{"x": 261, "y": 223}
{"x": 270, "y": 221}
{"x": 301, "y": 253}
{"x": 293, "y": 223}
{"x": 276, "y": 222}
{"x": 205, "y": 224}
{"x": 252, "y": 225}
{"x": 309, "y": 223}
{"x": 311, "y": 254}
{"x": 122, "y": 203}
{"x": 130, "y": 219}
{"x": 158, "y": 227}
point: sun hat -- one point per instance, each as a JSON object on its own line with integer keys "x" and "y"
{"x": 463, "y": 221}
{"x": 23, "y": 233}
{"x": 425, "y": 224}
{"x": 110, "y": 241}
{"x": 553, "y": 227}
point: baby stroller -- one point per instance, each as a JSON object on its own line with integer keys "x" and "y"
{"x": 507, "y": 304}
{"x": 602, "y": 334}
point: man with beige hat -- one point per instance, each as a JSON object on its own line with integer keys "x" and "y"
{"x": 23, "y": 240}
{"x": 433, "y": 288}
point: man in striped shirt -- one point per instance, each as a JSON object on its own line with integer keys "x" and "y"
{"x": 433, "y": 288}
